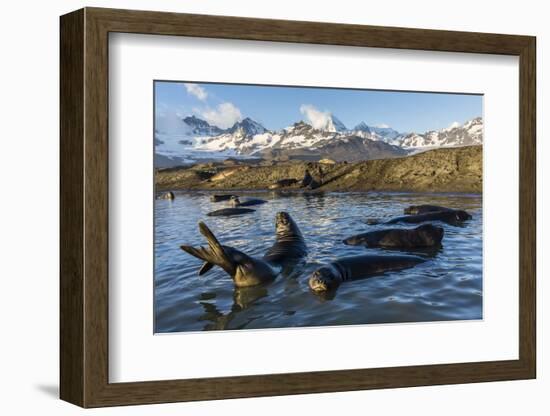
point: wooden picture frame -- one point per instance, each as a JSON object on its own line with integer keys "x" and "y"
{"x": 84, "y": 207}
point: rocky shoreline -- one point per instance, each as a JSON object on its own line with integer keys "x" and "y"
{"x": 440, "y": 170}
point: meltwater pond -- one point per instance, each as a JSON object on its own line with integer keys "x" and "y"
{"x": 446, "y": 287}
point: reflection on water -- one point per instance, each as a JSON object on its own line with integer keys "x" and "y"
{"x": 446, "y": 287}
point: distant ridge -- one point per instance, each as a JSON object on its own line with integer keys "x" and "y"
{"x": 199, "y": 140}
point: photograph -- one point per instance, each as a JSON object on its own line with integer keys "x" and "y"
{"x": 283, "y": 206}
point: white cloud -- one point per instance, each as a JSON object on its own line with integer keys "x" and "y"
{"x": 318, "y": 119}
{"x": 452, "y": 126}
{"x": 197, "y": 91}
{"x": 382, "y": 126}
{"x": 169, "y": 121}
{"x": 223, "y": 116}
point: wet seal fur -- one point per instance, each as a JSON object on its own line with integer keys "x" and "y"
{"x": 167, "y": 195}
{"x": 226, "y": 212}
{"x": 221, "y": 197}
{"x": 236, "y": 202}
{"x": 329, "y": 277}
{"x": 424, "y": 209}
{"x": 289, "y": 249}
{"x": 426, "y": 235}
{"x": 452, "y": 217}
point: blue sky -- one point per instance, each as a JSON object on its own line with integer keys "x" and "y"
{"x": 278, "y": 107}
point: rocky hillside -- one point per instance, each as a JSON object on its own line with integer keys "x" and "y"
{"x": 439, "y": 170}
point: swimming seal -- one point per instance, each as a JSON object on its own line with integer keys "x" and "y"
{"x": 329, "y": 277}
{"x": 290, "y": 246}
{"x": 289, "y": 249}
{"x": 452, "y": 217}
{"x": 424, "y": 209}
{"x": 226, "y": 212}
{"x": 167, "y": 195}
{"x": 426, "y": 235}
{"x": 236, "y": 202}
{"x": 221, "y": 197}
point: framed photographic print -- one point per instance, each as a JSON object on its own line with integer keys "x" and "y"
{"x": 234, "y": 189}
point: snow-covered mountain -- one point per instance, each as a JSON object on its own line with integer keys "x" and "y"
{"x": 302, "y": 141}
{"x": 247, "y": 127}
{"x": 197, "y": 139}
{"x": 200, "y": 127}
{"x": 386, "y": 133}
{"x": 362, "y": 127}
{"x": 333, "y": 124}
{"x": 470, "y": 133}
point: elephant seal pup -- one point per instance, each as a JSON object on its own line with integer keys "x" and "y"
{"x": 290, "y": 246}
{"x": 226, "y": 212}
{"x": 426, "y": 235}
{"x": 424, "y": 209}
{"x": 236, "y": 202}
{"x": 167, "y": 195}
{"x": 221, "y": 197}
{"x": 453, "y": 217}
{"x": 327, "y": 278}
{"x": 289, "y": 249}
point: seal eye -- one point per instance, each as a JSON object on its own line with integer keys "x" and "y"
{"x": 282, "y": 218}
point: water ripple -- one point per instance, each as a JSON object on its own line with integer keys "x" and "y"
{"x": 447, "y": 287}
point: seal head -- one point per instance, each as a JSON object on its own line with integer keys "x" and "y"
{"x": 234, "y": 201}
{"x": 429, "y": 234}
{"x": 289, "y": 247}
{"x": 324, "y": 279}
{"x": 285, "y": 227}
{"x": 462, "y": 215}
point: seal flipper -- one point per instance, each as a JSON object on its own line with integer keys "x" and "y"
{"x": 205, "y": 268}
{"x": 214, "y": 254}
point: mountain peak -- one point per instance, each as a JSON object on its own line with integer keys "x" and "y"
{"x": 194, "y": 121}
{"x": 333, "y": 124}
{"x": 201, "y": 127}
{"x": 302, "y": 123}
{"x": 387, "y": 133}
{"x": 467, "y": 134}
{"x": 362, "y": 127}
{"x": 327, "y": 122}
{"x": 248, "y": 127}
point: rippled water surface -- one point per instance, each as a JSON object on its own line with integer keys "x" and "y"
{"x": 446, "y": 287}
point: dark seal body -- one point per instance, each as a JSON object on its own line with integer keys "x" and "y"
{"x": 289, "y": 249}
{"x": 289, "y": 246}
{"x": 222, "y": 197}
{"x": 424, "y": 209}
{"x": 453, "y": 217}
{"x": 236, "y": 202}
{"x": 306, "y": 181}
{"x": 226, "y": 212}
{"x": 309, "y": 182}
{"x": 329, "y": 277}
{"x": 426, "y": 235}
